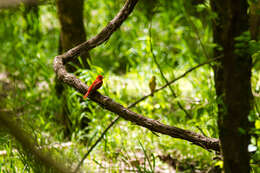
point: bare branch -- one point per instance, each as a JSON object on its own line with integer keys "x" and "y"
{"x": 113, "y": 122}
{"x": 108, "y": 103}
{"x": 104, "y": 35}
{"x": 188, "y": 71}
{"x": 153, "y": 125}
{"x": 174, "y": 80}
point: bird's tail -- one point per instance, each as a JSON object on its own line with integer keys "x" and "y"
{"x": 86, "y": 95}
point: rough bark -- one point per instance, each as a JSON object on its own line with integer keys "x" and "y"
{"x": 109, "y": 104}
{"x": 233, "y": 85}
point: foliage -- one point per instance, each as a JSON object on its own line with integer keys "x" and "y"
{"x": 181, "y": 38}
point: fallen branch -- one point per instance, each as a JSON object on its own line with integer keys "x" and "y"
{"x": 49, "y": 146}
{"x": 13, "y": 128}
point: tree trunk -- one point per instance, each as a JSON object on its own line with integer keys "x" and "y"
{"x": 255, "y": 20}
{"x": 72, "y": 28}
{"x": 70, "y": 15}
{"x": 232, "y": 82}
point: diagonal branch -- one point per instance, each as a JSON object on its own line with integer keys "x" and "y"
{"x": 7, "y": 121}
{"x": 112, "y": 26}
{"x": 113, "y": 122}
{"x": 108, "y": 103}
{"x": 101, "y": 37}
{"x": 154, "y": 125}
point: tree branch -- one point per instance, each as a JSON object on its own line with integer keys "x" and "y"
{"x": 108, "y": 103}
{"x": 113, "y": 122}
{"x": 162, "y": 74}
{"x": 7, "y": 120}
{"x": 103, "y": 36}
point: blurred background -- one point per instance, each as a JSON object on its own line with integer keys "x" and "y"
{"x": 160, "y": 38}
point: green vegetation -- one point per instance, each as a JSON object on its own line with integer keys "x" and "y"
{"x": 181, "y": 38}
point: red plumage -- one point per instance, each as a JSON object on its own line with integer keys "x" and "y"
{"x": 94, "y": 86}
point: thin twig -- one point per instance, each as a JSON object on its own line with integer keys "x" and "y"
{"x": 162, "y": 74}
{"x": 197, "y": 34}
{"x": 135, "y": 103}
{"x": 97, "y": 141}
{"x": 201, "y": 43}
{"x": 190, "y": 70}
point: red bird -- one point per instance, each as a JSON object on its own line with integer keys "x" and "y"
{"x": 94, "y": 86}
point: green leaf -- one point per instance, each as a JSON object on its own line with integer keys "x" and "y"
{"x": 257, "y": 124}
{"x": 242, "y": 131}
{"x": 219, "y": 163}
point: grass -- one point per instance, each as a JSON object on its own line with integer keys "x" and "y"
{"x": 26, "y": 63}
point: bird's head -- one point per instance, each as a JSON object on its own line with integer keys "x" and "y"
{"x": 100, "y": 77}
